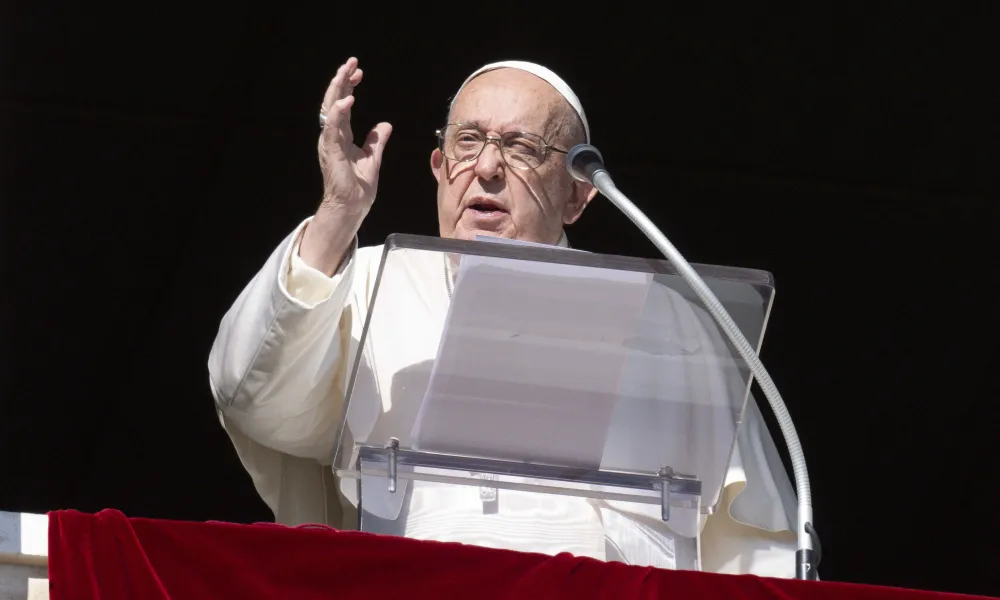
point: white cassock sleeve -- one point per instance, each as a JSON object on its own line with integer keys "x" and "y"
{"x": 278, "y": 370}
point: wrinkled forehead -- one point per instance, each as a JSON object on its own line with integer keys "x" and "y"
{"x": 510, "y": 100}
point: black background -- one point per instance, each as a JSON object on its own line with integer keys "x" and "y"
{"x": 153, "y": 157}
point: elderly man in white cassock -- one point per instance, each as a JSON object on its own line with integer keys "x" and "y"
{"x": 280, "y": 363}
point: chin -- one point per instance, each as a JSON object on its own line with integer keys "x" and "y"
{"x": 470, "y": 234}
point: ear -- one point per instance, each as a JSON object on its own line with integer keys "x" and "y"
{"x": 583, "y": 193}
{"x": 437, "y": 161}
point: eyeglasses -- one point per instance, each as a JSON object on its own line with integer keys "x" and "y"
{"x": 520, "y": 150}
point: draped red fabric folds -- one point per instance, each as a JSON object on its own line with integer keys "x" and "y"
{"x": 108, "y": 556}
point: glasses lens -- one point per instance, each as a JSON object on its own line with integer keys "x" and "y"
{"x": 461, "y": 143}
{"x": 523, "y": 150}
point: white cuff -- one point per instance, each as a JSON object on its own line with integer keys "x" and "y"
{"x": 309, "y": 286}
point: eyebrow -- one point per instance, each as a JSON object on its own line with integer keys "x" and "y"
{"x": 481, "y": 125}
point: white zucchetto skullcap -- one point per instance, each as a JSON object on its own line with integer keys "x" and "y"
{"x": 539, "y": 71}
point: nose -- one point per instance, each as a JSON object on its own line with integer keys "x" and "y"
{"x": 490, "y": 164}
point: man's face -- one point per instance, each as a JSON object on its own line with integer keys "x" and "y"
{"x": 486, "y": 196}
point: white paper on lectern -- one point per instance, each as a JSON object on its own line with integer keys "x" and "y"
{"x": 530, "y": 360}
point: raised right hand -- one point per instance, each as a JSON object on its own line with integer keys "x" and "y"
{"x": 350, "y": 174}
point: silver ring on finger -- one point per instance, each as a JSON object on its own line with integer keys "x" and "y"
{"x": 322, "y": 119}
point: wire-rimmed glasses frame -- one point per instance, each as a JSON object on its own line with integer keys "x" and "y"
{"x": 520, "y": 149}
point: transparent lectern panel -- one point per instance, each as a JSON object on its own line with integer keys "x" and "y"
{"x": 551, "y": 356}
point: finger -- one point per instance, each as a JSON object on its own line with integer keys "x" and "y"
{"x": 376, "y": 141}
{"x": 337, "y": 86}
{"x": 352, "y": 82}
{"x": 355, "y": 77}
{"x": 339, "y": 115}
{"x": 350, "y": 67}
{"x": 331, "y": 90}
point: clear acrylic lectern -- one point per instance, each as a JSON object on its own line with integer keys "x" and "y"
{"x": 545, "y": 399}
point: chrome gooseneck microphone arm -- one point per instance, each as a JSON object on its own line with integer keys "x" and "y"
{"x": 585, "y": 163}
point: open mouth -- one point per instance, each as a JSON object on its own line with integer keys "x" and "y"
{"x": 487, "y": 208}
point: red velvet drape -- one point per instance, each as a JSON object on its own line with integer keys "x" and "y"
{"x": 110, "y": 557}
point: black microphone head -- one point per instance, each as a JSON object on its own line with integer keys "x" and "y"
{"x": 583, "y": 161}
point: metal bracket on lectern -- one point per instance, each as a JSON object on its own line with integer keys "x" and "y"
{"x": 392, "y": 447}
{"x": 665, "y": 483}
{"x": 665, "y": 474}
